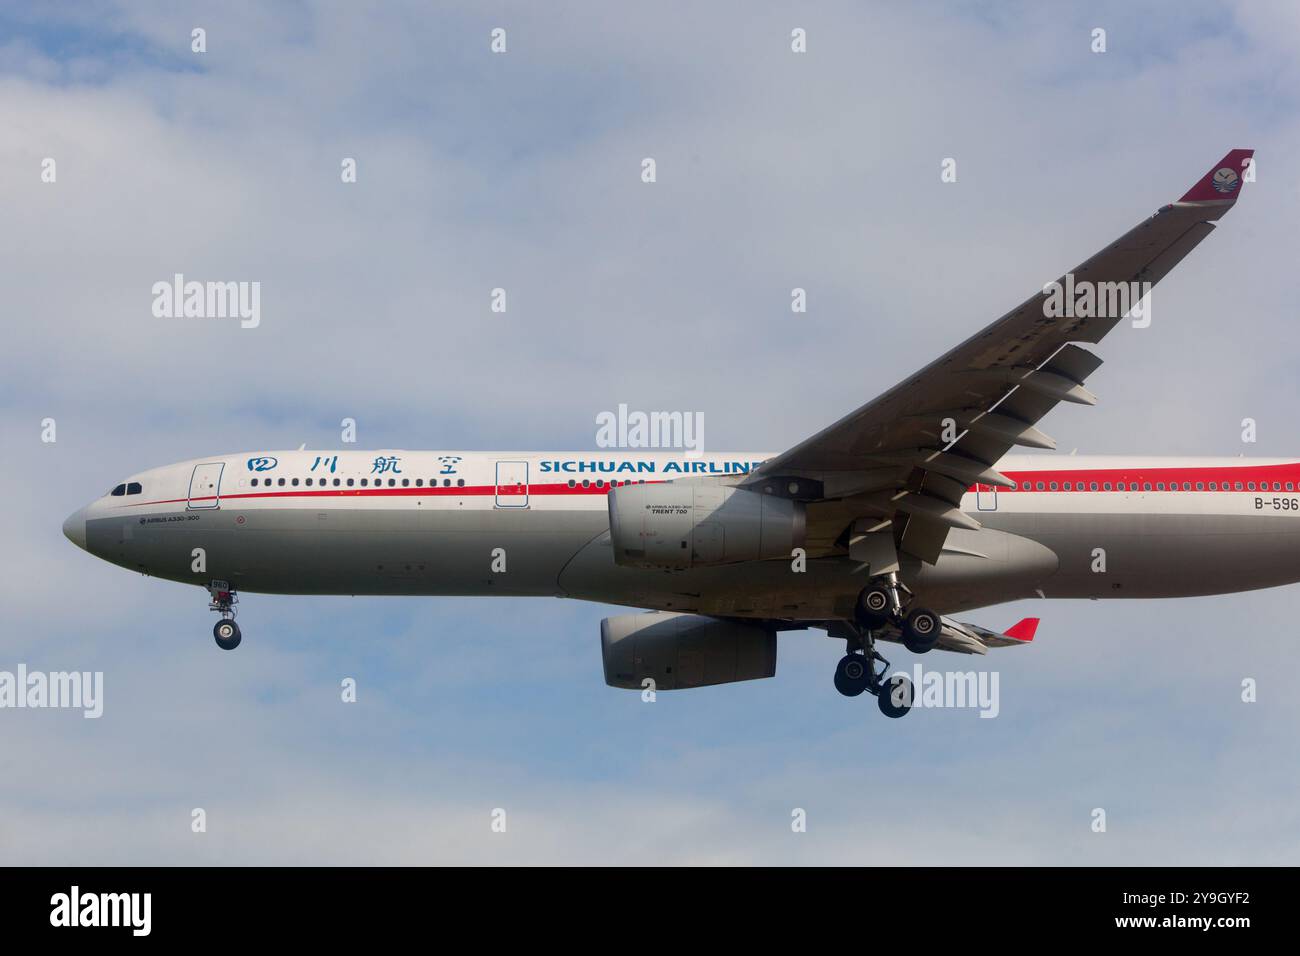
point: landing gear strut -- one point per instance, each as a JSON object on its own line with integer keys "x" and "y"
{"x": 857, "y": 672}
{"x": 222, "y": 598}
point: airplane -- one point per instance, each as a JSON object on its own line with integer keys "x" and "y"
{"x": 880, "y": 527}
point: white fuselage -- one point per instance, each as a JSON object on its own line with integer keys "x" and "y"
{"x": 527, "y": 523}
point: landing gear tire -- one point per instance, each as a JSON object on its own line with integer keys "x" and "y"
{"x": 852, "y": 674}
{"x": 227, "y": 635}
{"x": 895, "y": 696}
{"x": 921, "y": 630}
{"x": 874, "y": 606}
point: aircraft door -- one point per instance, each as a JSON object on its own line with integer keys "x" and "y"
{"x": 986, "y": 497}
{"x": 512, "y": 484}
{"x": 205, "y": 486}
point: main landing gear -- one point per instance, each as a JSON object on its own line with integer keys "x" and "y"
{"x": 881, "y": 603}
{"x": 857, "y": 672}
{"x": 222, "y": 598}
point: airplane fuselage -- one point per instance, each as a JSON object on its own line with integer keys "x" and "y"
{"x": 527, "y": 523}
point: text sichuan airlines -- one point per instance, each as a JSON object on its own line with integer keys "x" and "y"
{"x": 647, "y": 467}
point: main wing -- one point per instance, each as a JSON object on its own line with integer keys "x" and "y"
{"x": 887, "y": 465}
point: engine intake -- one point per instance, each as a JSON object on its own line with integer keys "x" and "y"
{"x": 678, "y": 651}
{"x": 684, "y": 525}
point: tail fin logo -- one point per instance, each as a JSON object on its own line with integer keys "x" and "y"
{"x": 1225, "y": 180}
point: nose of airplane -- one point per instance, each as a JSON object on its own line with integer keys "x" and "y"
{"x": 75, "y": 528}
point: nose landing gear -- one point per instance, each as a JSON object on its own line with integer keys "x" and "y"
{"x": 222, "y": 598}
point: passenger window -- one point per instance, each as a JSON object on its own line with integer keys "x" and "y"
{"x": 253, "y": 482}
{"x": 1277, "y": 486}
{"x": 1146, "y": 486}
{"x": 586, "y": 482}
{"x": 1040, "y": 486}
{"x": 1238, "y": 486}
{"x": 1187, "y": 486}
{"x": 1068, "y": 487}
{"x": 572, "y": 483}
{"x": 460, "y": 482}
{"x": 1106, "y": 485}
{"x": 280, "y": 482}
{"x": 309, "y": 482}
{"x": 1121, "y": 487}
{"x": 1250, "y": 486}
{"x": 1214, "y": 486}
{"x": 295, "y": 482}
{"x": 364, "y": 482}
{"x": 406, "y": 482}
{"x": 446, "y": 482}
{"x": 1053, "y": 486}
{"x": 419, "y": 482}
{"x": 1093, "y": 486}
{"x": 350, "y": 480}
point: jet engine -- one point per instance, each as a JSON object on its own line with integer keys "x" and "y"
{"x": 677, "y": 651}
{"x": 685, "y": 525}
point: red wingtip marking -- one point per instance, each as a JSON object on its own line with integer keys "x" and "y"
{"x": 1023, "y": 630}
{"x": 1223, "y": 182}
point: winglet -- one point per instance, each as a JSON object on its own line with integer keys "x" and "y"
{"x": 1023, "y": 631}
{"x": 1223, "y": 182}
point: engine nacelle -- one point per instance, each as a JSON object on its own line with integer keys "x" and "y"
{"x": 684, "y": 525}
{"x": 683, "y": 650}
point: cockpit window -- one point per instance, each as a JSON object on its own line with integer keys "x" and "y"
{"x": 134, "y": 488}
{"x": 119, "y": 491}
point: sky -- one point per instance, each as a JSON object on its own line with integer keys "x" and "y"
{"x": 522, "y": 170}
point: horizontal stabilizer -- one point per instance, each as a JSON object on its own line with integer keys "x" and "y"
{"x": 1023, "y": 630}
{"x": 973, "y": 639}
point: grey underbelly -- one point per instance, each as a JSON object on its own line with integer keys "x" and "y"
{"x": 302, "y": 551}
{"x": 1161, "y": 555}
